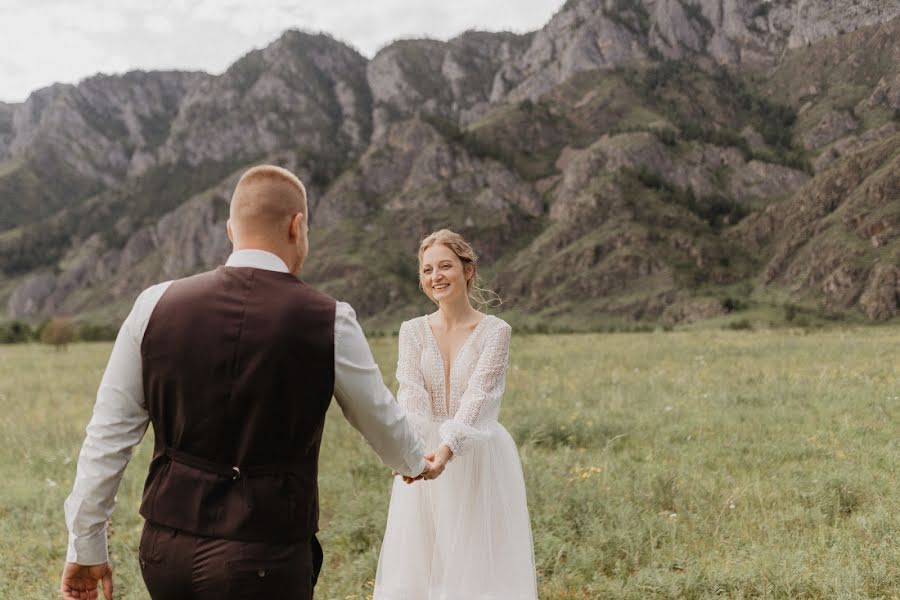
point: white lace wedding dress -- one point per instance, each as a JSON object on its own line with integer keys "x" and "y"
{"x": 465, "y": 535}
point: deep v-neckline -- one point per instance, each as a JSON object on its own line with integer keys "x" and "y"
{"x": 447, "y": 374}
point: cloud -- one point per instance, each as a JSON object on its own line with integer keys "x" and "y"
{"x": 159, "y": 24}
{"x": 369, "y": 26}
{"x": 39, "y": 49}
{"x": 247, "y": 17}
{"x": 263, "y": 20}
{"x": 84, "y": 18}
{"x": 207, "y": 10}
{"x": 45, "y": 41}
{"x": 373, "y": 25}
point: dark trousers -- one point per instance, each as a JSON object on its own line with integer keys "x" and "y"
{"x": 180, "y": 566}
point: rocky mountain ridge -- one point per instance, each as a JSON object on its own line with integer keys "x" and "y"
{"x": 466, "y": 75}
{"x": 632, "y": 160}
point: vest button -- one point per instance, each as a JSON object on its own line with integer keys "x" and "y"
{"x": 261, "y": 572}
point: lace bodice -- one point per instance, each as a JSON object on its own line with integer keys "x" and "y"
{"x": 477, "y": 379}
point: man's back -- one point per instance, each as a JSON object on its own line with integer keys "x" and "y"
{"x": 238, "y": 372}
{"x": 236, "y": 368}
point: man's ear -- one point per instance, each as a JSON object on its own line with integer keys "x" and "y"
{"x": 295, "y": 226}
{"x": 228, "y": 229}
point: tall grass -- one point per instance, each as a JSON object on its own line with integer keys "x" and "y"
{"x": 709, "y": 464}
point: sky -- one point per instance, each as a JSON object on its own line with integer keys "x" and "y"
{"x": 47, "y": 41}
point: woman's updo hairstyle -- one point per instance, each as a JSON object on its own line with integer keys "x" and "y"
{"x": 463, "y": 250}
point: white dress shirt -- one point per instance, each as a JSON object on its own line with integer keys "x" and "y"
{"x": 120, "y": 414}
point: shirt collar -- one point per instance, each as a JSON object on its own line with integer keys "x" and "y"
{"x": 258, "y": 259}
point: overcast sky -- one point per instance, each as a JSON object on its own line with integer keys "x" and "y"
{"x": 47, "y": 41}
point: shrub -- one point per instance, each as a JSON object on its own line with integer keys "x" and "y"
{"x": 715, "y": 209}
{"x": 790, "y": 312}
{"x": 58, "y": 332}
{"x": 761, "y": 10}
{"x": 666, "y": 136}
{"x": 444, "y": 126}
{"x": 91, "y": 332}
{"x": 730, "y": 304}
{"x": 15, "y": 332}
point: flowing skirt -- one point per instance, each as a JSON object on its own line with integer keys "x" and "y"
{"x": 465, "y": 535}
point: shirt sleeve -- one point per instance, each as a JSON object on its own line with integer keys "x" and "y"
{"x": 485, "y": 386}
{"x": 367, "y": 403}
{"x": 118, "y": 424}
{"x": 412, "y": 394}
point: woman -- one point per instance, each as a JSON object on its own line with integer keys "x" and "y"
{"x": 466, "y": 534}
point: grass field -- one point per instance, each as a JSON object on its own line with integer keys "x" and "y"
{"x": 707, "y": 464}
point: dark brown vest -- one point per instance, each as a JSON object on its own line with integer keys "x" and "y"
{"x": 238, "y": 371}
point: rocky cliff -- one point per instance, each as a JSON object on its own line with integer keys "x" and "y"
{"x": 586, "y": 35}
{"x": 661, "y": 160}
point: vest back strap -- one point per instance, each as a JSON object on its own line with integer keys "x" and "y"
{"x": 229, "y": 471}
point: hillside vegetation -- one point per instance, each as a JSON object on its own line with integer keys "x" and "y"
{"x": 630, "y": 163}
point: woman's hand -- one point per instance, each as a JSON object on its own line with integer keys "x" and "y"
{"x": 439, "y": 459}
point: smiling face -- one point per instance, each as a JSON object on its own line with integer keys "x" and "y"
{"x": 442, "y": 274}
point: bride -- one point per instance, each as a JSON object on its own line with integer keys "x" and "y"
{"x": 466, "y": 534}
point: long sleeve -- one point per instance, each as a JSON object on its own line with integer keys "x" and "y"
{"x": 118, "y": 423}
{"x": 367, "y": 403}
{"x": 485, "y": 386}
{"x": 412, "y": 394}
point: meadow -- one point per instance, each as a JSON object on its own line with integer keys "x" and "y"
{"x": 701, "y": 464}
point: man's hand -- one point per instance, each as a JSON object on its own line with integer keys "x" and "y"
{"x": 436, "y": 460}
{"x": 406, "y": 479}
{"x": 79, "y": 582}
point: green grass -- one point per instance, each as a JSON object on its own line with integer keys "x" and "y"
{"x": 705, "y": 464}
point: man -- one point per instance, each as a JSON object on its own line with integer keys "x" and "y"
{"x": 235, "y": 368}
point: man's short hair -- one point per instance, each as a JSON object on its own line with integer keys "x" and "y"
{"x": 265, "y": 198}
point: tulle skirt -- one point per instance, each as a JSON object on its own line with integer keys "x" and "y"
{"x": 465, "y": 535}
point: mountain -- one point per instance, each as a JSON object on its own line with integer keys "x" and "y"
{"x": 634, "y": 160}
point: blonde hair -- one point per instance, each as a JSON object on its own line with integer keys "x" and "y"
{"x": 265, "y": 197}
{"x": 463, "y": 250}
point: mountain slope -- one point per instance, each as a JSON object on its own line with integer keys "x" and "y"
{"x": 838, "y": 239}
{"x": 661, "y": 160}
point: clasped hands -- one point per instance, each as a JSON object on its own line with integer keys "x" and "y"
{"x": 436, "y": 460}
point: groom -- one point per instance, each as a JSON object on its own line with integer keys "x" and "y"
{"x": 235, "y": 368}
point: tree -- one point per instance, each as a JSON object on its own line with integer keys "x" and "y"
{"x": 58, "y": 332}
